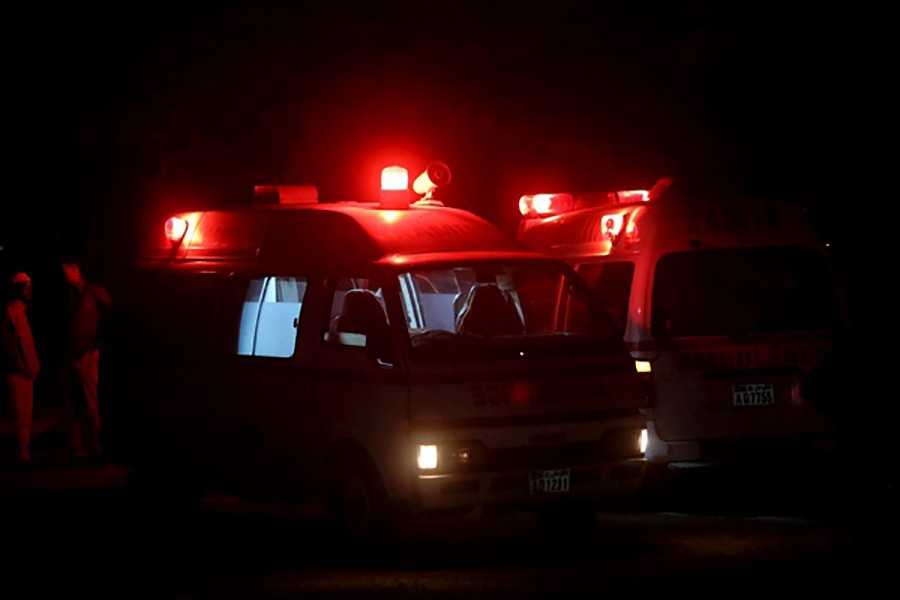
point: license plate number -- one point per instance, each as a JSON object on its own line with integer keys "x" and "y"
{"x": 753, "y": 394}
{"x": 549, "y": 482}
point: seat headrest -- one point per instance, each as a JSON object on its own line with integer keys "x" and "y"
{"x": 489, "y": 312}
{"x": 362, "y": 311}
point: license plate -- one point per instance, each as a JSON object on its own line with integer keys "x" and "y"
{"x": 548, "y": 482}
{"x": 753, "y": 394}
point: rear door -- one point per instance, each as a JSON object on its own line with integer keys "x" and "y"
{"x": 738, "y": 329}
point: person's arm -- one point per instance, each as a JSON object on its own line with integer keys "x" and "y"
{"x": 102, "y": 297}
{"x": 8, "y": 337}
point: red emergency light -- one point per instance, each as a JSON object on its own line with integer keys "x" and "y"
{"x": 395, "y": 192}
{"x": 545, "y": 205}
{"x": 181, "y": 227}
{"x": 610, "y": 226}
{"x": 620, "y": 226}
{"x": 176, "y": 227}
{"x": 394, "y": 178}
{"x": 394, "y": 187}
{"x": 532, "y": 205}
{"x": 623, "y": 196}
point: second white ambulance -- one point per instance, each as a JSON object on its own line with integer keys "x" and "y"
{"x": 725, "y": 302}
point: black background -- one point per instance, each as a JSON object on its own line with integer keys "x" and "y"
{"x": 121, "y": 113}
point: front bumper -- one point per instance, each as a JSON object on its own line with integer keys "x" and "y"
{"x": 600, "y": 483}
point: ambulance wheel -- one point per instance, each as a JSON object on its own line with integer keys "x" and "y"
{"x": 568, "y": 520}
{"x": 359, "y": 501}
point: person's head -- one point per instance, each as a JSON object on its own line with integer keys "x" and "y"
{"x": 21, "y": 284}
{"x": 71, "y": 268}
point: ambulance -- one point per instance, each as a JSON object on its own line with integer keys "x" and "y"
{"x": 726, "y": 302}
{"x": 384, "y": 358}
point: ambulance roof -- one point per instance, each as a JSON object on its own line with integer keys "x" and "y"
{"x": 327, "y": 235}
{"x": 676, "y": 217}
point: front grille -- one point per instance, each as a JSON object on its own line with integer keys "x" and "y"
{"x": 518, "y": 483}
{"x": 617, "y": 444}
{"x": 546, "y": 457}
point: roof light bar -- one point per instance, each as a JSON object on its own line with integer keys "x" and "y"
{"x": 623, "y": 196}
{"x": 533, "y": 205}
{"x": 286, "y": 194}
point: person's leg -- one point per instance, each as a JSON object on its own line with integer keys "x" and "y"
{"x": 74, "y": 405}
{"x": 87, "y": 370}
{"x": 21, "y": 394}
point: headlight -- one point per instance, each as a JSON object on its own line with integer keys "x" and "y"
{"x": 621, "y": 443}
{"x": 427, "y": 457}
{"x": 451, "y": 456}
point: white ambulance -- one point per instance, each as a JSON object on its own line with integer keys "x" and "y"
{"x": 725, "y": 302}
{"x": 381, "y": 358}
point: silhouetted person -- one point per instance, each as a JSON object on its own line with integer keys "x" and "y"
{"x": 85, "y": 310}
{"x": 20, "y": 363}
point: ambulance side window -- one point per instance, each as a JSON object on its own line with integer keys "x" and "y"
{"x": 270, "y": 316}
{"x": 611, "y": 283}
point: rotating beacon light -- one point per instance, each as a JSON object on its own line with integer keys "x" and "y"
{"x": 394, "y": 188}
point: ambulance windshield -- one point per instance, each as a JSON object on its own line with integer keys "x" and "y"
{"x": 486, "y": 310}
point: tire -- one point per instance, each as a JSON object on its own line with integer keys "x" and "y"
{"x": 360, "y": 502}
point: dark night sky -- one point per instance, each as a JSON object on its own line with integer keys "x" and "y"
{"x": 120, "y": 113}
